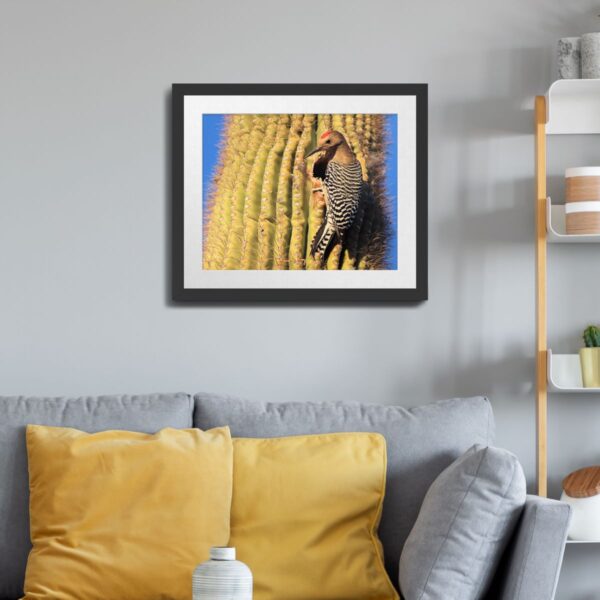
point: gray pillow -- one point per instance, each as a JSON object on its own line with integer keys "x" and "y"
{"x": 466, "y": 520}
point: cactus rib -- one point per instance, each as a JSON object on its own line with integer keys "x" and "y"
{"x": 252, "y": 202}
{"x": 299, "y": 197}
{"x": 266, "y": 220}
{"x": 283, "y": 207}
{"x": 236, "y": 231}
{"x": 591, "y": 337}
{"x": 217, "y": 225}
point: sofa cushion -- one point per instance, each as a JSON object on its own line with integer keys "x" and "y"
{"x": 125, "y": 515}
{"x": 148, "y": 414}
{"x": 466, "y": 521}
{"x": 421, "y": 443}
{"x": 305, "y": 513}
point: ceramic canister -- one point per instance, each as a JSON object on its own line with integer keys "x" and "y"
{"x": 582, "y": 209}
{"x": 581, "y": 490}
{"x": 585, "y": 522}
{"x": 222, "y": 577}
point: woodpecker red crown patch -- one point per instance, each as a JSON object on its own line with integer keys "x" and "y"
{"x": 325, "y": 134}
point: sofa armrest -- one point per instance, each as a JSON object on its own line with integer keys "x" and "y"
{"x": 533, "y": 559}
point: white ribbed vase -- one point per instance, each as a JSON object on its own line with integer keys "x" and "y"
{"x": 222, "y": 577}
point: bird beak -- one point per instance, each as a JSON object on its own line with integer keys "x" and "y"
{"x": 314, "y": 151}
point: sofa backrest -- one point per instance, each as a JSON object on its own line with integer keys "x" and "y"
{"x": 134, "y": 413}
{"x": 421, "y": 443}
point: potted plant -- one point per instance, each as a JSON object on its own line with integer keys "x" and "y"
{"x": 590, "y": 357}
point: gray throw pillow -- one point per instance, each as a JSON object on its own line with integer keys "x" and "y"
{"x": 466, "y": 520}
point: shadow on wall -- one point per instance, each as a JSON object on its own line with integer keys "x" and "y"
{"x": 510, "y": 88}
{"x": 510, "y": 376}
{"x": 487, "y": 221}
{"x": 555, "y": 486}
{"x": 491, "y": 221}
{"x": 478, "y": 237}
{"x": 556, "y": 188}
{"x": 578, "y": 579}
{"x": 168, "y": 220}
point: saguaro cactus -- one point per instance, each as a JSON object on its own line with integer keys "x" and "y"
{"x": 263, "y": 213}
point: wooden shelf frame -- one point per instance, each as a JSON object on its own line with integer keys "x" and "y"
{"x": 541, "y": 262}
{"x": 569, "y": 107}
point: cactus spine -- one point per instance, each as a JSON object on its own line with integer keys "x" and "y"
{"x": 591, "y": 337}
{"x": 263, "y": 213}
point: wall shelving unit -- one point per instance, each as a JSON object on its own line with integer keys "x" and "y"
{"x": 569, "y": 107}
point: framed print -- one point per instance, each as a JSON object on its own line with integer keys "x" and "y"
{"x": 299, "y": 193}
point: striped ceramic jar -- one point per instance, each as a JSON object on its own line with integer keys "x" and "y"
{"x": 582, "y": 209}
{"x": 222, "y": 577}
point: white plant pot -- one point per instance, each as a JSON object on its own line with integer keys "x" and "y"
{"x": 585, "y": 521}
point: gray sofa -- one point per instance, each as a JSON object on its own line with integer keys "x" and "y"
{"x": 421, "y": 443}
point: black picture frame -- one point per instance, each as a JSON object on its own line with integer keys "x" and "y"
{"x": 297, "y": 295}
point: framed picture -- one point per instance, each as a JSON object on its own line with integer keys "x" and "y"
{"x": 299, "y": 193}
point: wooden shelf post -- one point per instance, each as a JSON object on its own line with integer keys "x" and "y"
{"x": 541, "y": 298}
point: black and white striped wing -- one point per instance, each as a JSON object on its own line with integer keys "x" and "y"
{"x": 342, "y": 185}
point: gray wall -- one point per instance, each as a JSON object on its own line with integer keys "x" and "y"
{"x": 84, "y": 193}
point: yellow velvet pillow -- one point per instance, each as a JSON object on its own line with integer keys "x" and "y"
{"x": 305, "y": 513}
{"x": 124, "y": 516}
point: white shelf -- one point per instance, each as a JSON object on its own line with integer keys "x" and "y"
{"x": 573, "y": 106}
{"x": 564, "y": 374}
{"x": 557, "y": 229}
{"x": 582, "y": 542}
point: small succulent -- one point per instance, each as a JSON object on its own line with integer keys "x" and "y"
{"x": 591, "y": 337}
